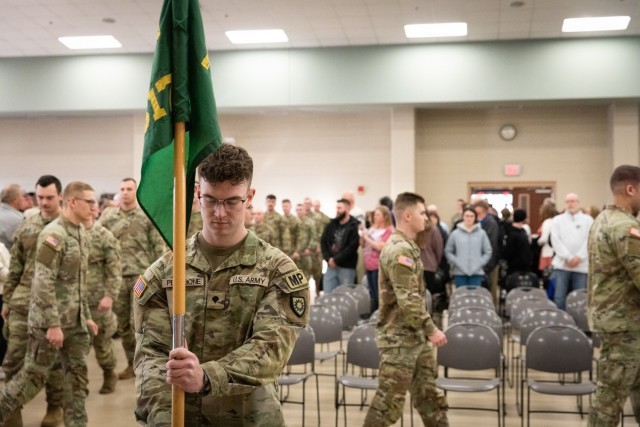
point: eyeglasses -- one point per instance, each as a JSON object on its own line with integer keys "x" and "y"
{"x": 230, "y": 205}
{"x": 90, "y": 202}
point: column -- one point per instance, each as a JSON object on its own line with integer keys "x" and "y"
{"x": 403, "y": 150}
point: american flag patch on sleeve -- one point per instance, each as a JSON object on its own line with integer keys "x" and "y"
{"x": 405, "y": 260}
{"x": 139, "y": 287}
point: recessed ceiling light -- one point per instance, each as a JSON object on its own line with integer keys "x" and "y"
{"x": 108, "y": 20}
{"x": 516, "y": 3}
{"x": 451, "y": 29}
{"x": 90, "y": 42}
{"x": 602, "y": 23}
{"x": 257, "y": 36}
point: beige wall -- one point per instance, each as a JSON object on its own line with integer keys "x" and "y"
{"x": 317, "y": 154}
{"x": 565, "y": 145}
{"x": 322, "y": 153}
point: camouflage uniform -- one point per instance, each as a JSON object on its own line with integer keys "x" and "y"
{"x": 290, "y": 225}
{"x": 282, "y": 239}
{"x": 407, "y": 358}
{"x": 17, "y": 295}
{"x": 306, "y": 238}
{"x": 58, "y": 298}
{"x": 614, "y": 312}
{"x": 242, "y": 321}
{"x": 321, "y": 220}
{"x": 104, "y": 276}
{"x": 195, "y": 223}
{"x": 140, "y": 246}
{"x": 265, "y": 232}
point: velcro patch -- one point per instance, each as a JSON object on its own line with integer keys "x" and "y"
{"x": 298, "y": 306}
{"x": 296, "y": 280}
{"x": 634, "y": 232}
{"x": 191, "y": 281}
{"x": 406, "y": 261}
{"x": 249, "y": 280}
{"x": 139, "y": 287}
{"x": 53, "y": 241}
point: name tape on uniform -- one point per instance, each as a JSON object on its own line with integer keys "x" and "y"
{"x": 249, "y": 280}
{"x": 191, "y": 281}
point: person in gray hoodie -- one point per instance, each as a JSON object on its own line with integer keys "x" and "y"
{"x": 468, "y": 250}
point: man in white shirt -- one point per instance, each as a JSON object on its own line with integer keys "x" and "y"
{"x": 569, "y": 237}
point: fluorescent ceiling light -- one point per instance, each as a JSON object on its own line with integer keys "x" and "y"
{"x": 90, "y": 42}
{"x": 603, "y": 23}
{"x": 451, "y": 29}
{"x": 257, "y": 36}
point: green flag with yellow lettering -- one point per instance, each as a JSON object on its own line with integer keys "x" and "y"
{"x": 180, "y": 91}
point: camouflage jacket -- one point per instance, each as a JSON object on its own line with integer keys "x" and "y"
{"x": 614, "y": 272}
{"x": 17, "y": 291}
{"x": 282, "y": 237}
{"x": 242, "y": 322}
{"x": 321, "y": 221}
{"x": 265, "y": 232}
{"x": 140, "y": 242}
{"x": 104, "y": 273}
{"x": 306, "y": 237}
{"x": 404, "y": 320}
{"x": 195, "y": 223}
{"x": 58, "y": 294}
{"x": 290, "y": 225}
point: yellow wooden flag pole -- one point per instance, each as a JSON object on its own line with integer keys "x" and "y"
{"x": 179, "y": 262}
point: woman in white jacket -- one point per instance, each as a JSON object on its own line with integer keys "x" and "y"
{"x": 468, "y": 250}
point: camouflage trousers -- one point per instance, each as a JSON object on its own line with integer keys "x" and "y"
{"x": 260, "y": 408}
{"x": 618, "y": 378}
{"x": 304, "y": 263}
{"x": 412, "y": 369}
{"x": 103, "y": 343}
{"x": 316, "y": 269}
{"x": 124, "y": 313}
{"x": 17, "y": 336}
{"x": 40, "y": 358}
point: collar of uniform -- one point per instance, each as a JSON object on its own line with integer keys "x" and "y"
{"x": 68, "y": 224}
{"x": 246, "y": 255}
{"x": 412, "y": 242}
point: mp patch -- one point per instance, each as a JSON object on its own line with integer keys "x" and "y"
{"x": 139, "y": 287}
{"x": 298, "y": 306}
{"x": 296, "y": 280}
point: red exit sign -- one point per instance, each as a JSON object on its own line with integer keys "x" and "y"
{"x": 512, "y": 170}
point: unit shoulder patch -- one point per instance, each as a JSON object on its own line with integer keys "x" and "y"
{"x": 298, "y": 306}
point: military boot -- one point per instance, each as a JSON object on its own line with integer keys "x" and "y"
{"x": 109, "y": 382}
{"x": 127, "y": 373}
{"x": 54, "y": 416}
{"x": 14, "y": 419}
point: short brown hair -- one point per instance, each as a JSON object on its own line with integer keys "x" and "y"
{"x": 74, "y": 188}
{"x": 227, "y": 163}
{"x": 624, "y": 175}
{"x": 405, "y": 201}
{"x": 481, "y": 204}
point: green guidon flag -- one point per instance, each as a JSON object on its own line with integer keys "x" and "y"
{"x": 180, "y": 91}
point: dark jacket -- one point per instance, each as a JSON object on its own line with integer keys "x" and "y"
{"x": 345, "y": 251}
{"x": 492, "y": 228}
{"x": 517, "y": 251}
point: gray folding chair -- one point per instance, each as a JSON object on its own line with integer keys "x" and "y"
{"x": 471, "y": 291}
{"x": 363, "y": 354}
{"x": 360, "y": 294}
{"x": 558, "y": 350}
{"x": 303, "y": 354}
{"x": 518, "y": 293}
{"x": 533, "y": 320}
{"x": 346, "y": 305}
{"x": 374, "y": 317}
{"x": 326, "y": 323}
{"x": 477, "y": 315}
{"x": 472, "y": 347}
{"x": 470, "y": 301}
{"x": 428, "y": 301}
